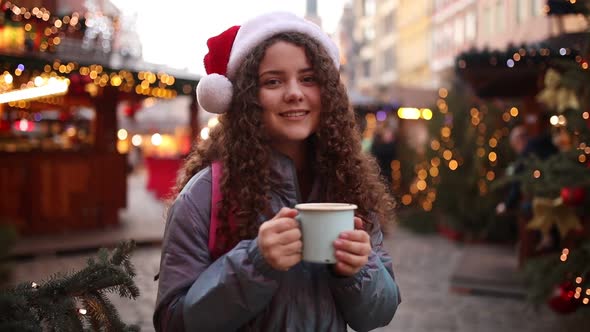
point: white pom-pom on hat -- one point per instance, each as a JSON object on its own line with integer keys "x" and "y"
{"x": 214, "y": 93}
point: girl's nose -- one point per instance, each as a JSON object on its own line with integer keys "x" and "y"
{"x": 293, "y": 92}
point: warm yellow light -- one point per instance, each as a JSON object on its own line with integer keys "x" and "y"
{"x": 122, "y": 134}
{"x": 445, "y": 132}
{"x": 433, "y": 171}
{"x": 585, "y": 115}
{"x": 116, "y": 80}
{"x": 426, "y": 114}
{"x": 406, "y": 199}
{"x": 554, "y": 120}
{"x": 205, "y": 133}
{"x": 514, "y": 112}
{"x": 435, "y": 145}
{"x": 493, "y": 142}
{"x": 8, "y": 78}
{"x": 422, "y": 174}
{"x": 435, "y": 162}
{"x": 447, "y": 154}
{"x": 442, "y": 106}
{"x": 492, "y": 156}
{"x": 53, "y": 87}
{"x": 71, "y": 131}
{"x": 136, "y": 140}
{"x": 421, "y": 185}
{"x": 490, "y": 175}
{"x": 214, "y": 121}
{"x": 453, "y": 164}
{"x": 408, "y": 113}
{"x": 443, "y": 93}
{"x": 123, "y": 146}
{"x": 156, "y": 139}
{"x": 39, "y": 81}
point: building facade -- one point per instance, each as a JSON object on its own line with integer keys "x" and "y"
{"x": 413, "y": 20}
{"x": 454, "y": 30}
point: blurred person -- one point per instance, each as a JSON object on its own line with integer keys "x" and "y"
{"x": 384, "y": 150}
{"x": 518, "y": 139}
{"x": 287, "y": 135}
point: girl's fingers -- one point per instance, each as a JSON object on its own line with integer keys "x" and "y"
{"x": 345, "y": 269}
{"x": 356, "y": 248}
{"x": 355, "y": 236}
{"x": 351, "y": 259}
{"x": 358, "y": 223}
{"x": 289, "y": 236}
{"x": 292, "y": 248}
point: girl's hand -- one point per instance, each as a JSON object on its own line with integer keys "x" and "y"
{"x": 279, "y": 240}
{"x": 352, "y": 250}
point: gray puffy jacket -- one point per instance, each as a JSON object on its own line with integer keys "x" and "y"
{"x": 240, "y": 291}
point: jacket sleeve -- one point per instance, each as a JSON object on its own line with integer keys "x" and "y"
{"x": 369, "y": 299}
{"x": 195, "y": 294}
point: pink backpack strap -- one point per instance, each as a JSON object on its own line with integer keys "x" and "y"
{"x": 216, "y": 169}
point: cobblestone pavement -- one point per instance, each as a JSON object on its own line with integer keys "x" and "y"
{"x": 422, "y": 265}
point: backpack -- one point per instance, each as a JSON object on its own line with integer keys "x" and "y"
{"x": 218, "y": 244}
{"x": 215, "y": 250}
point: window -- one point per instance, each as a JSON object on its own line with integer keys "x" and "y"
{"x": 500, "y": 16}
{"x": 488, "y": 20}
{"x": 459, "y": 31}
{"x": 367, "y": 68}
{"x": 388, "y": 59}
{"x": 369, "y": 32}
{"x": 470, "y": 26}
{"x": 537, "y": 7}
{"x": 521, "y": 12}
{"x": 369, "y": 7}
{"x": 388, "y": 23}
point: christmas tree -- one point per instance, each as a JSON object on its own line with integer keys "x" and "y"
{"x": 73, "y": 301}
{"x": 448, "y": 185}
{"x": 557, "y": 186}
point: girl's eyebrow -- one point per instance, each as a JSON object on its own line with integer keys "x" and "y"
{"x": 279, "y": 72}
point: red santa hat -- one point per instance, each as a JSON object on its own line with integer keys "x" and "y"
{"x": 228, "y": 49}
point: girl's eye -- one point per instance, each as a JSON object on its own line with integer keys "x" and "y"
{"x": 309, "y": 79}
{"x": 271, "y": 82}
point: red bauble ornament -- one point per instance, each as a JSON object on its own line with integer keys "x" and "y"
{"x": 573, "y": 195}
{"x": 563, "y": 301}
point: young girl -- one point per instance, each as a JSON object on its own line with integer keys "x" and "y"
{"x": 287, "y": 136}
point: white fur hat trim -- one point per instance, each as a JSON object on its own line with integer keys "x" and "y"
{"x": 214, "y": 93}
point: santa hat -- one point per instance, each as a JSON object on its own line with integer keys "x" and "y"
{"x": 228, "y": 49}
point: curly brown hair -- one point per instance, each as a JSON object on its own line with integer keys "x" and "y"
{"x": 240, "y": 142}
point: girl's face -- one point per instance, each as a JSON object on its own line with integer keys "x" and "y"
{"x": 289, "y": 94}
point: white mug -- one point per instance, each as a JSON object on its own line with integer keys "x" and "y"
{"x": 321, "y": 224}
